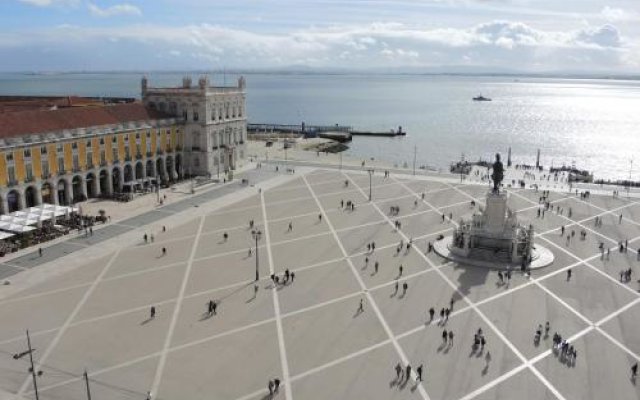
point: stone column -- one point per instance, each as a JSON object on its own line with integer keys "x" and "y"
{"x": 39, "y": 195}
{"x": 5, "y": 204}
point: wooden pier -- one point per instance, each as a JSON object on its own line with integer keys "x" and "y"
{"x": 339, "y": 132}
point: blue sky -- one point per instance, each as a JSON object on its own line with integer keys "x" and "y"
{"x": 528, "y": 35}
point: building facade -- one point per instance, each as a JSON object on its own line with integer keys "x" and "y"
{"x": 214, "y": 123}
{"x": 62, "y": 156}
{"x": 65, "y": 156}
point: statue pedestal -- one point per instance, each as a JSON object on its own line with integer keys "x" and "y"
{"x": 496, "y": 212}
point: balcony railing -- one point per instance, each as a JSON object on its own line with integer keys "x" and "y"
{"x": 62, "y": 172}
{"x": 29, "y": 179}
{"x": 12, "y": 182}
{"x": 138, "y": 156}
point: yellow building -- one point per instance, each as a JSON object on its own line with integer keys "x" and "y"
{"x": 67, "y": 155}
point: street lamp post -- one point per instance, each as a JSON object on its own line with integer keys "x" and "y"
{"x": 33, "y": 371}
{"x": 256, "y": 233}
{"x": 370, "y": 175}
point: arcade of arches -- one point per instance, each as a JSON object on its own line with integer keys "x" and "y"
{"x": 102, "y": 182}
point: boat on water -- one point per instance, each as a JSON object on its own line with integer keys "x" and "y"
{"x": 481, "y": 98}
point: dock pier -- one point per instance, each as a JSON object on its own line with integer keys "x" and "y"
{"x": 337, "y": 132}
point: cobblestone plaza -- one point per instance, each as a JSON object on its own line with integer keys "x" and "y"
{"x": 308, "y": 332}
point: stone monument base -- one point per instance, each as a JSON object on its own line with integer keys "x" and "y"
{"x": 541, "y": 257}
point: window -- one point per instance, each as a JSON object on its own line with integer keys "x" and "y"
{"x": 11, "y": 173}
{"x": 89, "y": 158}
{"x": 9, "y": 156}
{"x": 195, "y": 116}
{"x": 115, "y": 154}
{"x": 29, "y": 172}
{"x": 76, "y": 162}
{"x": 61, "y": 164}
{"x": 74, "y": 145}
{"x": 89, "y": 144}
{"x": 45, "y": 169}
{"x": 27, "y": 153}
{"x": 185, "y": 115}
{"x": 101, "y": 141}
{"x": 59, "y": 148}
{"x": 103, "y": 157}
{"x": 137, "y": 136}
{"x": 149, "y": 134}
{"x": 43, "y": 150}
{"x": 114, "y": 139}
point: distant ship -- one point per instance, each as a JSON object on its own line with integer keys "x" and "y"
{"x": 481, "y": 98}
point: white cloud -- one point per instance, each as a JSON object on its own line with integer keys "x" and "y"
{"x": 45, "y": 3}
{"x": 619, "y": 15}
{"x": 118, "y": 9}
{"x": 509, "y": 44}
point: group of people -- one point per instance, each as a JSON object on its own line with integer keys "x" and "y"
{"x": 287, "y": 277}
{"x": 350, "y": 205}
{"x": 404, "y": 374}
{"x": 538, "y": 335}
{"x": 562, "y": 348}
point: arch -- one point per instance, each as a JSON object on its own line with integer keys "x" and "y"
{"x": 77, "y": 189}
{"x": 91, "y": 184}
{"x": 62, "y": 191}
{"x": 116, "y": 179}
{"x": 170, "y": 169}
{"x": 31, "y": 196}
{"x": 149, "y": 169}
{"x": 104, "y": 182}
{"x": 179, "y": 165}
{"x": 128, "y": 173}
{"x": 48, "y": 195}
{"x": 13, "y": 201}
{"x": 160, "y": 171}
{"x": 139, "y": 170}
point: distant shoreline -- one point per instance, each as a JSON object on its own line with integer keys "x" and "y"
{"x": 515, "y": 75}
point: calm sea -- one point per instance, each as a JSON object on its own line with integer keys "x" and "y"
{"x": 592, "y": 123}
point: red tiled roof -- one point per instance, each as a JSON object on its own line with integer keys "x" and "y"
{"x": 20, "y": 123}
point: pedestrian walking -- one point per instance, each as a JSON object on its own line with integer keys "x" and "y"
{"x": 164, "y": 251}
{"x": 375, "y": 267}
{"x": 164, "y": 228}
{"x": 40, "y": 251}
{"x": 431, "y": 313}
{"x": 450, "y": 338}
{"x": 276, "y": 383}
{"x": 408, "y": 372}
{"x": 405, "y": 286}
{"x": 398, "y": 372}
{"x": 419, "y": 373}
{"x": 361, "y": 306}
{"x": 634, "y": 370}
{"x": 400, "y": 270}
{"x": 319, "y": 217}
{"x": 445, "y": 336}
{"x": 568, "y": 274}
{"x": 270, "y": 386}
{"x": 145, "y": 238}
{"x": 225, "y": 236}
{"x": 152, "y": 315}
